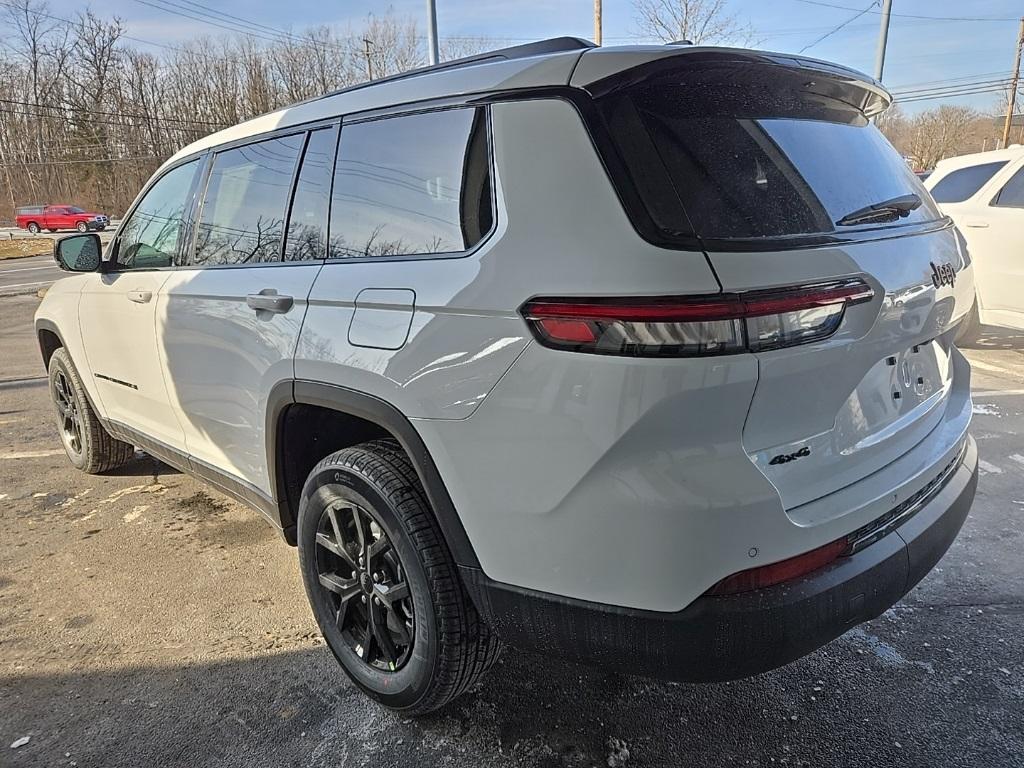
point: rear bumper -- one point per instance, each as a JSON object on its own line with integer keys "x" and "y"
{"x": 727, "y": 638}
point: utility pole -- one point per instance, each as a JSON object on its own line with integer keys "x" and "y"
{"x": 432, "y": 31}
{"x": 1013, "y": 87}
{"x": 597, "y": 21}
{"x": 883, "y": 39}
{"x": 369, "y": 62}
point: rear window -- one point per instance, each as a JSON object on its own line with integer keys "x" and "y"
{"x": 723, "y": 154}
{"x": 963, "y": 183}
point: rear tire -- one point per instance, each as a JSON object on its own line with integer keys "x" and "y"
{"x": 366, "y": 529}
{"x": 970, "y": 327}
{"x": 33, "y": 228}
{"x": 88, "y": 445}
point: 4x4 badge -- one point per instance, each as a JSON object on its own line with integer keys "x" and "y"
{"x": 785, "y": 458}
{"x": 943, "y": 274}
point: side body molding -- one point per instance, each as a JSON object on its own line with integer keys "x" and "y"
{"x": 389, "y": 418}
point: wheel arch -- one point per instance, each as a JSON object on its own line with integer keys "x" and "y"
{"x": 49, "y": 339}
{"x": 328, "y": 417}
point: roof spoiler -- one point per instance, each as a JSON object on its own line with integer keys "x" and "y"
{"x": 829, "y": 80}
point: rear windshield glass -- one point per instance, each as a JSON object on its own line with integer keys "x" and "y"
{"x": 717, "y": 153}
{"x": 956, "y": 186}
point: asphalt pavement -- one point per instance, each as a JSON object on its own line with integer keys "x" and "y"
{"x": 28, "y": 275}
{"x": 146, "y": 620}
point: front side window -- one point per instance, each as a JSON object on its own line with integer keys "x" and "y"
{"x": 149, "y": 238}
{"x": 242, "y": 217}
{"x": 307, "y": 223}
{"x": 1012, "y": 193}
{"x": 413, "y": 184}
{"x": 963, "y": 183}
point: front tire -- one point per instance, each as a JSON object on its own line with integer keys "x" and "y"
{"x": 88, "y": 445}
{"x": 383, "y": 586}
{"x": 82, "y": 226}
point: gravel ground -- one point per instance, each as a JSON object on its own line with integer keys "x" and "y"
{"x": 146, "y": 620}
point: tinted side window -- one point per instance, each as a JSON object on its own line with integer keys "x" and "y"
{"x": 242, "y": 218}
{"x": 307, "y": 224}
{"x": 149, "y": 238}
{"x": 415, "y": 184}
{"x": 958, "y": 185}
{"x": 1012, "y": 193}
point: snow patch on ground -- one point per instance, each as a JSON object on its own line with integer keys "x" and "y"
{"x": 984, "y": 410}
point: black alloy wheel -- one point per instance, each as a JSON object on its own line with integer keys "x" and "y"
{"x": 358, "y": 565}
{"x": 69, "y": 418}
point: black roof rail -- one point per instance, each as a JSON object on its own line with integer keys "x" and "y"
{"x": 539, "y": 48}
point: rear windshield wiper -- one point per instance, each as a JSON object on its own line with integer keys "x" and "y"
{"x": 887, "y": 210}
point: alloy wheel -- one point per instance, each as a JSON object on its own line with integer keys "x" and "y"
{"x": 69, "y": 415}
{"x": 358, "y": 566}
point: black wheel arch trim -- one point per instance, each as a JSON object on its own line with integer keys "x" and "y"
{"x": 389, "y": 418}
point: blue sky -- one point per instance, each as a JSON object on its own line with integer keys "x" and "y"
{"x": 922, "y": 51}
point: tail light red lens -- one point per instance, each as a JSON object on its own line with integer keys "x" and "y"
{"x": 776, "y": 573}
{"x": 702, "y": 325}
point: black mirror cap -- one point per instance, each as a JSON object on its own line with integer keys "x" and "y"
{"x": 78, "y": 253}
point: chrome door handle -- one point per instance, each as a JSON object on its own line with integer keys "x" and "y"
{"x": 976, "y": 223}
{"x": 140, "y": 297}
{"x": 268, "y": 300}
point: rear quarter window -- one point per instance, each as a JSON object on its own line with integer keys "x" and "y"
{"x": 963, "y": 183}
{"x": 411, "y": 185}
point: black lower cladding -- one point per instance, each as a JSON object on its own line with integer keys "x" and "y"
{"x": 727, "y": 638}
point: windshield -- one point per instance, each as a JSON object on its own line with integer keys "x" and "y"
{"x": 74, "y": 209}
{"x": 721, "y": 159}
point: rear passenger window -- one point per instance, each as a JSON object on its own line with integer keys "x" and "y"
{"x": 307, "y": 224}
{"x": 1012, "y": 194}
{"x": 415, "y": 184}
{"x": 958, "y": 185}
{"x": 242, "y": 218}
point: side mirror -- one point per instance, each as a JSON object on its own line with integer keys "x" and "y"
{"x": 78, "y": 253}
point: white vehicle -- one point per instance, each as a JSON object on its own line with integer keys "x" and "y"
{"x": 984, "y": 195}
{"x": 629, "y": 355}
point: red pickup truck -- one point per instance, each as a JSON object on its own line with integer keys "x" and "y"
{"x": 53, "y": 217}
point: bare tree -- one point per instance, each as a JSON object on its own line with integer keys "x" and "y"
{"x": 939, "y": 133}
{"x": 702, "y": 22}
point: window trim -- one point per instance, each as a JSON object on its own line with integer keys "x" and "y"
{"x": 335, "y": 127}
{"x": 407, "y": 111}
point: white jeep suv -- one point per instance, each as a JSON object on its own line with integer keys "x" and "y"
{"x": 639, "y": 356}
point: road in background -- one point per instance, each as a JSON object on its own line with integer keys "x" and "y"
{"x": 28, "y": 275}
{"x": 145, "y": 619}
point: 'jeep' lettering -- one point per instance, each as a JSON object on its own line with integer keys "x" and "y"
{"x": 943, "y": 274}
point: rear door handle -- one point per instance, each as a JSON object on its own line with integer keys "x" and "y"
{"x": 268, "y": 300}
{"x": 978, "y": 223}
{"x": 140, "y": 297}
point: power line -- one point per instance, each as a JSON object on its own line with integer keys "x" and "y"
{"x": 906, "y": 86}
{"x": 908, "y": 15}
{"x": 953, "y": 95}
{"x": 950, "y": 86}
{"x": 839, "y": 27}
{"x": 127, "y": 115}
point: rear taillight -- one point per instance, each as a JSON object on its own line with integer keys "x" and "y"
{"x": 703, "y": 325}
{"x": 776, "y": 573}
